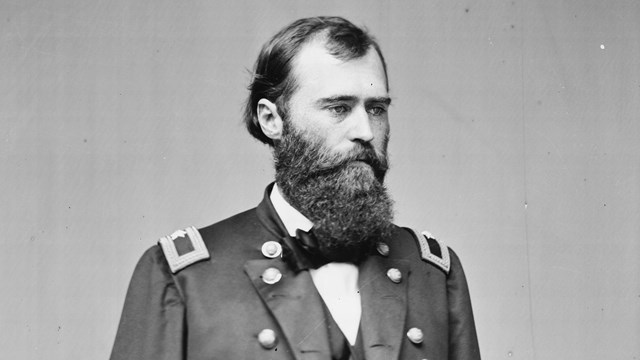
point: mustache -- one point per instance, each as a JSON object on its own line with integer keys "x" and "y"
{"x": 363, "y": 152}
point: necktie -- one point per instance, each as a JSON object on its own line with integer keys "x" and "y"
{"x": 302, "y": 252}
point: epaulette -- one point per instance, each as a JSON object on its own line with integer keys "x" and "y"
{"x": 183, "y": 248}
{"x": 433, "y": 250}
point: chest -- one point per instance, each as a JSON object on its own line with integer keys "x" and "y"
{"x": 229, "y": 308}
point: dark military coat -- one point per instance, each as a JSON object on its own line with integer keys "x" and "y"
{"x": 215, "y": 308}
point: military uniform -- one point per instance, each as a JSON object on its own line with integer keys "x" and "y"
{"x": 224, "y": 292}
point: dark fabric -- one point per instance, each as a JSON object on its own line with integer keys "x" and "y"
{"x": 338, "y": 343}
{"x": 215, "y": 309}
{"x": 302, "y": 252}
{"x": 434, "y": 247}
{"x": 268, "y": 216}
{"x": 357, "y": 350}
{"x": 340, "y": 347}
{"x": 183, "y": 245}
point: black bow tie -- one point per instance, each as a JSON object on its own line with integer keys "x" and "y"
{"x": 302, "y": 252}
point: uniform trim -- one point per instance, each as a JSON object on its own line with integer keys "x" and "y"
{"x": 426, "y": 252}
{"x": 178, "y": 262}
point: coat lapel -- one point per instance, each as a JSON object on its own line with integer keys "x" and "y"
{"x": 384, "y": 307}
{"x": 297, "y": 307}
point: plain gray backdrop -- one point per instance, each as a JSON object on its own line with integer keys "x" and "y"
{"x": 515, "y": 139}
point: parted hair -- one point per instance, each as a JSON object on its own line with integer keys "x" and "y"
{"x": 272, "y": 76}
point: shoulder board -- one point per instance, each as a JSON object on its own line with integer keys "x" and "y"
{"x": 433, "y": 251}
{"x": 183, "y": 248}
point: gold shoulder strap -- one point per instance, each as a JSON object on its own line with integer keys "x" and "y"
{"x": 433, "y": 251}
{"x": 192, "y": 248}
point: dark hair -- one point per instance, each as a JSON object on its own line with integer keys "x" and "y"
{"x": 272, "y": 78}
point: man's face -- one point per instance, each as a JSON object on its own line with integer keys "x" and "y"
{"x": 344, "y": 104}
{"x": 331, "y": 160}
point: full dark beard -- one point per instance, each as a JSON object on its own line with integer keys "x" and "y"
{"x": 342, "y": 194}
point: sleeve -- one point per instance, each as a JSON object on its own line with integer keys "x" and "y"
{"x": 463, "y": 343}
{"x": 152, "y": 323}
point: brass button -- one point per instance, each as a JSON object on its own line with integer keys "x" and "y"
{"x": 271, "y": 276}
{"x": 271, "y": 249}
{"x": 394, "y": 275}
{"x": 383, "y": 249}
{"x": 267, "y": 338}
{"x": 415, "y": 335}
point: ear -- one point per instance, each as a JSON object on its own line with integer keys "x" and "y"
{"x": 269, "y": 119}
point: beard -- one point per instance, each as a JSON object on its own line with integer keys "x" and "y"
{"x": 343, "y": 194}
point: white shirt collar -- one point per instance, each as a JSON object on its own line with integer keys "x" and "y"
{"x": 291, "y": 218}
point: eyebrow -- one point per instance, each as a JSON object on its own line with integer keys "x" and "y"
{"x": 350, "y": 98}
{"x": 380, "y": 100}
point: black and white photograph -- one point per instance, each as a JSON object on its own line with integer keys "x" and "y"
{"x": 329, "y": 180}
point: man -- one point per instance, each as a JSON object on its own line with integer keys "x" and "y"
{"x": 317, "y": 270}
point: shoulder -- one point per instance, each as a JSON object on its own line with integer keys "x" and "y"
{"x": 431, "y": 250}
{"x": 188, "y": 246}
{"x": 183, "y": 248}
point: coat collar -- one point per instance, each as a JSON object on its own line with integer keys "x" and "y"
{"x": 268, "y": 215}
{"x": 291, "y": 217}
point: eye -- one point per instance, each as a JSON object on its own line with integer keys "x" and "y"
{"x": 339, "y": 109}
{"x": 377, "y": 110}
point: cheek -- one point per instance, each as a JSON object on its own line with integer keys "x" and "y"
{"x": 311, "y": 122}
{"x": 381, "y": 132}
{"x": 381, "y": 138}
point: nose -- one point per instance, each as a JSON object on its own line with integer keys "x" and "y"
{"x": 360, "y": 129}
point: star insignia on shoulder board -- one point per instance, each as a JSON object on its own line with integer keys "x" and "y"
{"x": 178, "y": 234}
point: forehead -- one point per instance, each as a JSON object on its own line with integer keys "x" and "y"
{"x": 320, "y": 74}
